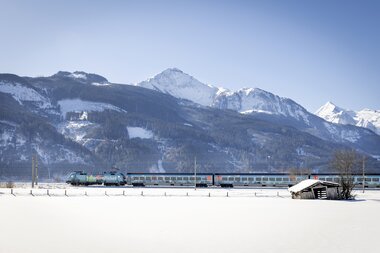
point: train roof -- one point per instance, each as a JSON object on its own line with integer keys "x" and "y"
{"x": 167, "y": 174}
{"x": 337, "y": 174}
{"x": 243, "y": 174}
{"x": 257, "y": 174}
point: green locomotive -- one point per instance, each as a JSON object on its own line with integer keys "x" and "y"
{"x": 108, "y": 178}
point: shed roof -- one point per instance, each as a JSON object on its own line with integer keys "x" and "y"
{"x": 310, "y": 183}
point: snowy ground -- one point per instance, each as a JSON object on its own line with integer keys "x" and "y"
{"x": 248, "y": 220}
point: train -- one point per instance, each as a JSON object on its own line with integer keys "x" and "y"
{"x": 210, "y": 179}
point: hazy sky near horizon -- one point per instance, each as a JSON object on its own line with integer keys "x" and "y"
{"x": 309, "y": 51}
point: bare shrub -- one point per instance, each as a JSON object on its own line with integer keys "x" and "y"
{"x": 8, "y": 184}
{"x": 345, "y": 162}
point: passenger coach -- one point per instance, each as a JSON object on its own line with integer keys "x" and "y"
{"x": 370, "y": 180}
{"x": 168, "y": 179}
{"x": 256, "y": 179}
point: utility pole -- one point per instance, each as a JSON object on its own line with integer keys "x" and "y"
{"x": 36, "y": 168}
{"x": 363, "y": 170}
{"x": 32, "y": 171}
{"x": 195, "y": 173}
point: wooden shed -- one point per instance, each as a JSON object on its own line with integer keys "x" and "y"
{"x": 315, "y": 189}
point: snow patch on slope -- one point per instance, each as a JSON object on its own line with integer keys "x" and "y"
{"x": 75, "y": 130}
{"x": 78, "y": 130}
{"x": 100, "y": 84}
{"x": 63, "y": 155}
{"x": 22, "y": 94}
{"x": 350, "y": 135}
{"x": 78, "y": 105}
{"x": 342, "y": 134}
{"x": 139, "y": 132}
{"x": 78, "y": 75}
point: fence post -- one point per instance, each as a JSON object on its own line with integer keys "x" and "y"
{"x": 227, "y": 194}
{"x": 85, "y": 193}
{"x": 187, "y": 194}
{"x": 278, "y": 194}
{"x": 255, "y": 194}
{"x": 165, "y": 194}
{"x": 142, "y": 193}
{"x": 123, "y": 193}
{"x": 47, "y": 192}
{"x": 66, "y": 193}
{"x": 209, "y": 194}
{"x": 31, "y": 193}
{"x": 12, "y": 192}
{"x": 105, "y": 193}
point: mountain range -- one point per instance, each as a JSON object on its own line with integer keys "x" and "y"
{"x": 364, "y": 118}
{"x": 82, "y": 121}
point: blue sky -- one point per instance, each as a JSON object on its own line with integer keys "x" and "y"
{"x": 309, "y": 51}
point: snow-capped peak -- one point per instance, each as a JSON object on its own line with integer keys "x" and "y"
{"x": 248, "y": 91}
{"x": 172, "y": 70}
{"x": 328, "y": 108}
{"x": 255, "y": 100}
{"x": 179, "y": 84}
{"x": 365, "y": 118}
{"x": 335, "y": 114}
{"x": 246, "y": 100}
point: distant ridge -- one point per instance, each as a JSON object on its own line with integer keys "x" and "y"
{"x": 364, "y": 118}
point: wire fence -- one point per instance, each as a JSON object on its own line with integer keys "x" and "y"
{"x": 138, "y": 192}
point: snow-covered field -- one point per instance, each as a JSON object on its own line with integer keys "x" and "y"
{"x": 99, "y": 219}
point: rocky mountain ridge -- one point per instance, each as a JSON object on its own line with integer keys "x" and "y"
{"x": 82, "y": 121}
{"x": 253, "y": 101}
{"x": 366, "y": 118}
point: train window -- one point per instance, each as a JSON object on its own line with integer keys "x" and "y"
{"x": 179, "y": 178}
{"x": 237, "y": 179}
{"x": 160, "y": 178}
{"x": 322, "y": 179}
{"x": 224, "y": 178}
{"x": 265, "y": 179}
{"x": 230, "y": 179}
{"x": 244, "y": 179}
{"x": 285, "y": 179}
{"x": 359, "y": 179}
{"x": 141, "y": 178}
{"x": 375, "y": 179}
{"x": 271, "y": 179}
{"x": 336, "y": 180}
{"x": 258, "y": 179}
{"x": 148, "y": 178}
{"x": 154, "y": 178}
{"x": 278, "y": 179}
{"x": 198, "y": 179}
{"x": 192, "y": 178}
{"x": 250, "y": 179}
{"x": 368, "y": 180}
{"x": 172, "y": 178}
{"x": 167, "y": 178}
{"x": 329, "y": 179}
